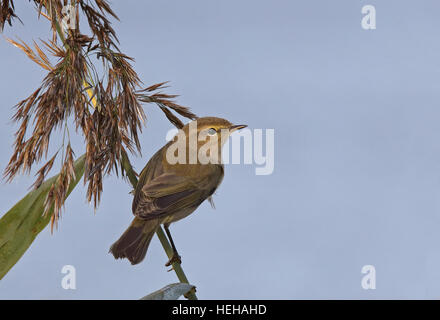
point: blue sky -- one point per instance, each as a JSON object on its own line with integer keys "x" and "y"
{"x": 356, "y": 178}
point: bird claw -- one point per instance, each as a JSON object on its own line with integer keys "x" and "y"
{"x": 174, "y": 259}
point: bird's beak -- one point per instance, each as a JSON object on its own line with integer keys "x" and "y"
{"x": 237, "y": 127}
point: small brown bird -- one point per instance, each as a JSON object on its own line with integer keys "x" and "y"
{"x": 168, "y": 191}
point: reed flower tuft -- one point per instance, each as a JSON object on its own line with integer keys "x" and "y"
{"x": 105, "y": 107}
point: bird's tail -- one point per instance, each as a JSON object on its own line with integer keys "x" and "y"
{"x": 134, "y": 242}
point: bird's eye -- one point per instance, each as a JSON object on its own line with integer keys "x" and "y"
{"x": 212, "y": 131}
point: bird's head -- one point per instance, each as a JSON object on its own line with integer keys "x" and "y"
{"x": 203, "y": 138}
{"x": 211, "y": 129}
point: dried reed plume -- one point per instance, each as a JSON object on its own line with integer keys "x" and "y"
{"x": 107, "y": 112}
{"x": 7, "y": 13}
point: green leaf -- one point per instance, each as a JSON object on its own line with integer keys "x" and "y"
{"x": 170, "y": 292}
{"x": 24, "y": 221}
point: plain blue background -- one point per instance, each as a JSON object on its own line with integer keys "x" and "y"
{"x": 357, "y": 152}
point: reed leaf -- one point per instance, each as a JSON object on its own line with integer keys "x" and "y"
{"x": 170, "y": 292}
{"x": 26, "y": 219}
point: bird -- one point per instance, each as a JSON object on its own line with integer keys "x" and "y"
{"x": 170, "y": 190}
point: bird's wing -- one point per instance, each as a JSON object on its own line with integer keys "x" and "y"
{"x": 153, "y": 169}
{"x": 166, "y": 193}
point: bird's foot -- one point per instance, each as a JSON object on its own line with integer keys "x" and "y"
{"x": 174, "y": 259}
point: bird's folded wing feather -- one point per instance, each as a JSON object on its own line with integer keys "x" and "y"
{"x": 160, "y": 196}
